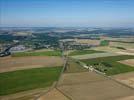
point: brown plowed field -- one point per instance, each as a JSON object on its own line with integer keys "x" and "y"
{"x": 53, "y": 95}
{"x": 19, "y": 63}
{"x": 129, "y": 62}
{"x": 92, "y": 86}
{"x": 127, "y": 78}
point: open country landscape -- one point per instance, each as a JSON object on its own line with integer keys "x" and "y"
{"x": 66, "y": 50}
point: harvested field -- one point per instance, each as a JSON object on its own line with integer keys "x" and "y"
{"x": 119, "y": 44}
{"x": 19, "y": 63}
{"x": 26, "y": 95}
{"x": 53, "y": 95}
{"x": 107, "y": 49}
{"x": 126, "y": 98}
{"x": 42, "y": 50}
{"x": 82, "y": 52}
{"x": 125, "y": 53}
{"x": 95, "y": 55}
{"x": 129, "y": 62}
{"x": 76, "y": 78}
{"x": 88, "y": 41}
{"x": 92, "y": 86}
{"x": 127, "y": 78}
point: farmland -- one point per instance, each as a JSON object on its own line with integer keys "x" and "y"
{"x": 54, "y": 94}
{"x": 126, "y": 78}
{"x": 109, "y": 65}
{"x": 45, "y": 53}
{"x": 19, "y": 63}
{"x": 87, "y": 41}
{"x": 129, "y": 62}
{"x": 89, "y": 85}
{"x": 107, "y": 49}
{"x": 124, "y": 45}
{"x": 82, "y": 52}
{"x": 73, "y": 67}
{"x": 94, "y": 55}
{"x": 104, "y": 43}
{"x": 17, "y": 81}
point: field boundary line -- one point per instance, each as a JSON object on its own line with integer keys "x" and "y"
{"x": 44, "y": 93}
{"x": 63, "y": 93}
{"x": 65, "y": 59}
{"x": 102, "y": 74}
{"x": 82, "y": 83}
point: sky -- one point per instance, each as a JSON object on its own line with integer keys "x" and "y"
{"x": 66, "y": 13}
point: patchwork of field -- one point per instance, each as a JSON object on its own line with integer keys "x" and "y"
{"x": 82, "y": 52}
{"x": 19, "y": 63}
{"x": 41, "y": 53}
{"x": 125, "y": 53}
{"x": 95, "y": 55}
{"x": 119, "y": 44}
{"x": 23, "y": 80}
{"x": 108, "y": 49}
{"x": 125, "y": 39}
{"x": 126, "y": 78}
{"x": 110, "y": 65}
{"x": 92, "y": 86}
{"x": 87, "y": 41}
{"x": 129, "y": 62}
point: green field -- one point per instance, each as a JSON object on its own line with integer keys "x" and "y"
{"x": 82, "y": 52}
{"x": 109, "y": 65}
{"x": 104, "y": 43}
{"x": 17, "y": 81}
{"x": 45, "y": 53}
{"x": 73, "y": 67}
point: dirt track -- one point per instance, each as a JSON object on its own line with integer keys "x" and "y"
{"x": 53, "y": 95}
{"x": 19, "y": 63}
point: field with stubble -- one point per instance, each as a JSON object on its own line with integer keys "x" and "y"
{"x": 92, "y": 86}
{"x": 19, "y": 63}
{"x": 129, "y": 62}
{"x": 126, "y": 78}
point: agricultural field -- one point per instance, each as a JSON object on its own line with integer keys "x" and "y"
{"x": 92, "y": 86}
{"x": 95, "y": 55}
{"x": 126, "y": 78}
{"x": 121, "y": 39}
{"x": 87, "y": 41}
{"x": 82, "y": 52}
{"x": 18, "y": 81}
{"x": 129, "y": 62}
{"x": 107, "y": 49}
{"x": 44, "y": 53}
{"x": 54, "y": 94}
{"x": 104, "y": 43}
{"x": 109, "y": 65}
{"x": 73, "y": 67}
{"x": 19, "y": 63}
{"x": 42, "y": 50}
{"x": 124, "y": 45}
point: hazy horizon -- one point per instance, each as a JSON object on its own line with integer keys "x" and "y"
{"x": 66, "y": 13}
